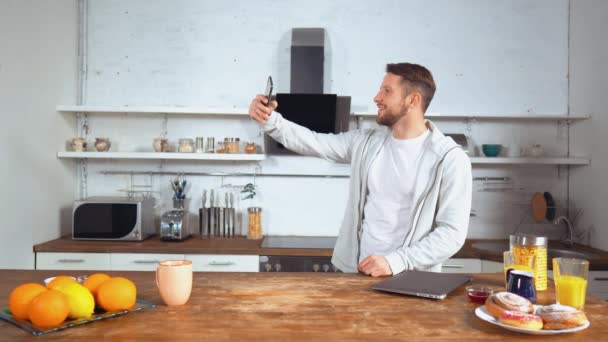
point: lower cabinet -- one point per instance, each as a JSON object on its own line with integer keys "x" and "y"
{"x": 456, "y": 265}
{"x": 73, "y": 261}
{"x": 224, "y": 262}
{"x": 139, "y": 261}
{"x": 491, "y": 266}
{"x": 144, "y": 261}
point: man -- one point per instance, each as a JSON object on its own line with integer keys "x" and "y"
{"x": 410, "y": 186}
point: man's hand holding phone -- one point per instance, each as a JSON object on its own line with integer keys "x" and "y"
{"x": 262, "y": 105}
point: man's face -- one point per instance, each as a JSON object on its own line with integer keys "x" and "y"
{"x": 391, "y": 100}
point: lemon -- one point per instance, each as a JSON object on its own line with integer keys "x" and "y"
{"x": 80, "y": 300}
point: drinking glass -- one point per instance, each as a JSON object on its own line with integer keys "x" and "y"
{"x": 570, "y": 276}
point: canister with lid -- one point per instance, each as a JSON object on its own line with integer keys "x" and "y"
{"x": 186, "y": 146}
{"x": 255, "y": 223}
{"x": 525, "y": 245}
{"x": 232, "y": 145}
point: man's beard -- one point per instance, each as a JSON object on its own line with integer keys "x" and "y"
{"x": 389, "y": 118}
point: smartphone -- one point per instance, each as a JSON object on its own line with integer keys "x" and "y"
{"x": 269, "y": 87}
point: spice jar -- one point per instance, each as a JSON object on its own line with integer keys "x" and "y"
{"x": 185, "y": 146}
{"x": 528, "y": 245}
{"x": 250, "y": 148}
{"x": 255, "y": 223}
{"x": 232, "y": 145}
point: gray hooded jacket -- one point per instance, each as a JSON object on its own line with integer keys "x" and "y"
{"x": 442, "y": 206}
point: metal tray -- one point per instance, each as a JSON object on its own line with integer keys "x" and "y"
{"x": 5, "y": 315}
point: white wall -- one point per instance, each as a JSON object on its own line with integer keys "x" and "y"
{"x": 487, "y": 57}
{"x": 588, "y": 94}
{"x": 38, "y": 69}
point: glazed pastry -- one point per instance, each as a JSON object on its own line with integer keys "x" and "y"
{"x": 557, "y": 317}
{"x": 506, "y": 301}
{"x": 521, "y": 320}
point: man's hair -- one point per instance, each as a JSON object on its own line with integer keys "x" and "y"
{"x": 416, "y": 77}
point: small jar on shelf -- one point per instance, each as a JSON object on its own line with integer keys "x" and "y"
{"x": 185, "y": 146}
{"x": 232, "y": 145}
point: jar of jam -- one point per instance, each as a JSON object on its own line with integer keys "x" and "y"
{"x": 185, "y": 146}
{"x": 232, "y": 145}
{"x": 523, "y": 246}
{"x": 254, "y": 223}
{"x": 250, "y": 148}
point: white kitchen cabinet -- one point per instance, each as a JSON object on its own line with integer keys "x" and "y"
{"x": 223, "y": 262}
{"x": 491, "y": 266}
{"x": 139, "y": 261}
{"x": 72, "y": 261}
{"x": 456, "y": 265}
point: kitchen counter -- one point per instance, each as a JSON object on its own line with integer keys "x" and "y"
{"x": 194, "y": 245}
{"x": 242, "y": 245}
{"x": 295, "y": 306}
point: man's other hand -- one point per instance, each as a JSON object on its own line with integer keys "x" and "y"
{"x": 375, "y": 266}
{"x": 260, "y": 110}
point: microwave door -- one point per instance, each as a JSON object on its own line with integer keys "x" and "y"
{"x": 104, "y": 220}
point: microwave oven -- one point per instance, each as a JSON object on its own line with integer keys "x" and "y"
{"x": 112, "y": 218}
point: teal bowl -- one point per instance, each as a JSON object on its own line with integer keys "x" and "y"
{"x": 491, "y": 150}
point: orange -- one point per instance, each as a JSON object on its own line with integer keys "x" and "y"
{"x": 60, "y": 281}
{"x": 48, "y": 309}
{"x": 20, "y": 298}
{"x": 93, "y": 282}
{"x": 116, "y": 294}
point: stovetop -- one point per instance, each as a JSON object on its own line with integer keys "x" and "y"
{"x": 304, "y": 242}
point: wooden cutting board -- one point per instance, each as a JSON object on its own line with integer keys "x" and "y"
{"x": 539, "y": 207}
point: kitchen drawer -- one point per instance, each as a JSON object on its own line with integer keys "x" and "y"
{"x": 139, "y": 261}
{"x": 224, "y": 262}
{"x": 455, "y": 265}
{"x": 492, "y": 266}
{"x": 72, "y": 261}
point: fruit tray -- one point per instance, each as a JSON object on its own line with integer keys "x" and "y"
{"x": 5, "y": 315}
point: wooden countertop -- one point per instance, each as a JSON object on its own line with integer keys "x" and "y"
{"x": 295, "y": 306}
{"x": 242, "y": 245}
{"x": 194, "y": 245}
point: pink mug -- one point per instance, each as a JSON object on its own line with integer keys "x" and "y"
{"x": 174, "y": 281}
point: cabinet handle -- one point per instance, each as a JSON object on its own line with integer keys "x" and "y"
{"x": 146, "y": 261}
{"x": 70, "y": 260}
{"x": 601, "y": 279}
{"x": 220, "y": 263}
{"x": 452, "y": 266}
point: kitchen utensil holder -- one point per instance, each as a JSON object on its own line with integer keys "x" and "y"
{"x": 179, "y": 203}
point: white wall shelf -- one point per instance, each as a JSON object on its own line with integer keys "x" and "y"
{"x": 533, "y": 161}
{"x": 528, "y": 117}
{"x": 258, "y": 157}
{"x": 164, "y": 156}
{"x": 152, "y": 110}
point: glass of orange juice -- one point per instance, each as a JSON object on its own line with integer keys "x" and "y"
{"x": 570, "y": 277}
{"x": 517, "y": 262}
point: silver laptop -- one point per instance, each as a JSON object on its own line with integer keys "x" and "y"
{"x": 423, "y": 284}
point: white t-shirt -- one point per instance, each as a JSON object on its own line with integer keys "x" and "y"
{"x": 390, "y": 184}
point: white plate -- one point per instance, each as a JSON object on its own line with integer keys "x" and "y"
{"x": 79, "y": 279}
{"x": 483, "y": 314}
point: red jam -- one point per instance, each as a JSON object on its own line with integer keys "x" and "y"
{"x": 477, "y": 296}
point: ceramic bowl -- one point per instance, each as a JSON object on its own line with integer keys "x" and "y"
{"x": 491, "y": 150}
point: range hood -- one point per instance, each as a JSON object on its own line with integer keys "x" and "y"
{"x": 307, "y": 60}
{"x": 306, "y": 104}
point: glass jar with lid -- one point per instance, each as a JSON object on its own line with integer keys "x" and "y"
{"x": 185, "y": 146}
{"x": 530, "y": 245}
{"x": 232, "y": 145}
{"x": 254, "y": 226}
